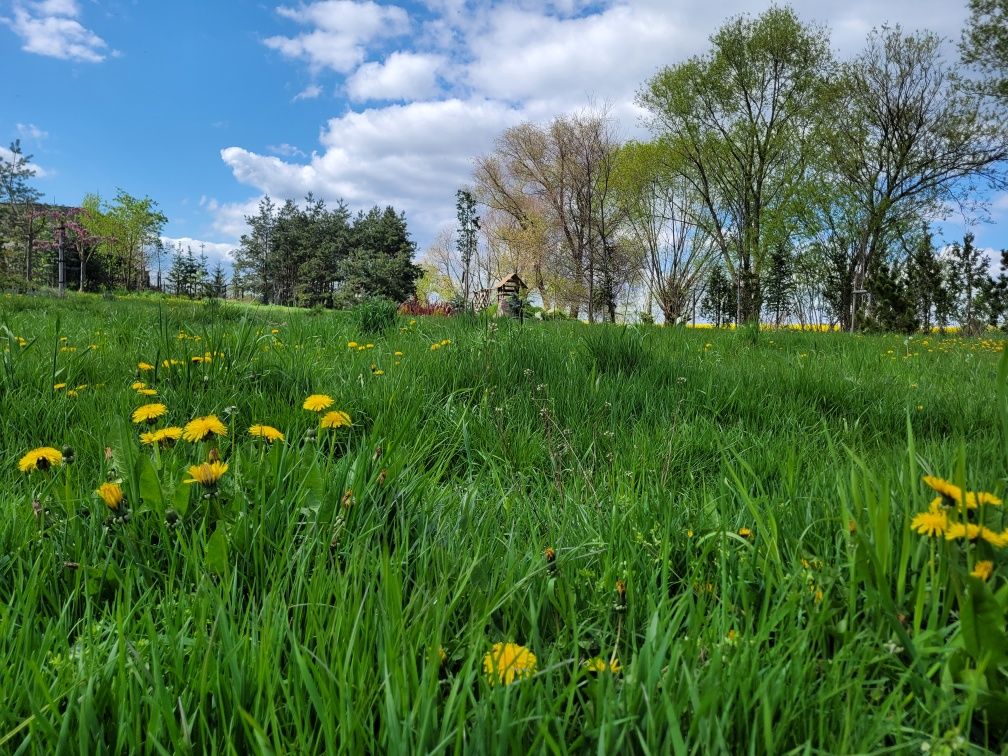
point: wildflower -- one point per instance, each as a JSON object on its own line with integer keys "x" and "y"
{"x": 267, "y": 432}
{"x": 398, "y": 354}
{"x": 149, "y": 413}
{"x": 58, "y": 386}
{"x": 442, "y": 655}
{"x": 166, "y": 436}
{"x": 971, "y": 532}
{"x": 317, "y": 402}
{"x": 336, "y": 419}
{"x": 201, "y": 428}
{"x": 745, "y": 532}
{"x": 930, "y": 523}
{"x": 137, "y": 385}
{"x": 40, "y": 459}
{"x": 972, "y": 499}
{"x": 550, "y": 555}
{"x": 508, "y": 662}
{"x": 378, "y": 372}
{"x": 111, "y": 494}
{"x": 144, "y": 366}
{"x": 598, "y": 665}
{"x": 983, "y": 569}
{"x": 147, "y": 392}
{"x": 352, "y": 345}
{"x": 208, "y": 473}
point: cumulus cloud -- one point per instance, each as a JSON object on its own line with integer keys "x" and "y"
{"x": 51, "y": 28}
{"x": 412, "y": 156}
{"x": 401, "y": 76}
{"x": 338, "y": 33}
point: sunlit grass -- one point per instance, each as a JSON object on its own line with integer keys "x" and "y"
{"x": 720, "y": 518}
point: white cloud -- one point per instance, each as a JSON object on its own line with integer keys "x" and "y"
{"x": 215, "y": 251}
{"x": 51, "y": 28}
{"x": 308, "y": 93}
{"x": 339, "y": 32}
{"x": 285, "y": 150}
{"x": 402, "y": 76}
{"x": 411, "y": 156}
{"x": 31, "y": 131}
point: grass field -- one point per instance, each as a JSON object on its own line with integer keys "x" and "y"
{"x": 703, "y": 537}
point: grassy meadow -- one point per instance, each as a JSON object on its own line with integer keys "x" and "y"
{"x": 702, "y": 537}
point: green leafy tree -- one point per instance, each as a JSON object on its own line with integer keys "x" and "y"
{"x": 984, "y": 44}
{"x": 925, "y": 282}
{"x": 718, "y": 303}
{"x": 779, "y": 283}
{"x": 742, "y": 114}
{"x": 908, "y": 140}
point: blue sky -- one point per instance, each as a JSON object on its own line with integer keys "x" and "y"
{"x": 204, "y": 106}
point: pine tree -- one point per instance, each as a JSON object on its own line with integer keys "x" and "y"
{"x": 969, "y": 266}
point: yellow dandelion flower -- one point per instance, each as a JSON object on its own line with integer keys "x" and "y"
{"x": 598, "y": 665}
{"x": 336, "y": 419}
{"x": 995, "y": 539}
{"x": 946, "y": 488}
{"x": 111, "y": 494}
{"x": 352, "y": 345}
{"x": 147, "y": 392}
{"x": 40, "y": 459}
{"x": 149, "y": 413}
{"x": 317, "y": 402}
{"x": 144, "y": 366}
{"x": 983, "y": 569}
{"x": 58, "y": 386}
{"x": 208, "y": 473}
{"x": 930, "y": 523}
{"x": 137, "y": 385}
{"x": 745, "y": 532}
{"x": 267, "y": 432}
{"x": 378, "y": 372}
{"x": 398, "y": 354}
{"x": 201, "y": 428}
{"x": 959, "y": 530}
{"x": 508, "y": 662}
{"x": 164, "y": 436}
{"x": 981, "y": 498}
{"x": 972, "y": 499}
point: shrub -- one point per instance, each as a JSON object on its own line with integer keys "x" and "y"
{"x": 413, "y": 307}
{"x": 375, "y": 314}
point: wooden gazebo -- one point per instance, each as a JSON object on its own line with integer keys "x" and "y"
{"x": 510, "y": 285}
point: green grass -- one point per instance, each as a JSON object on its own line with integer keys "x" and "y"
{"x": 269, "y": 617}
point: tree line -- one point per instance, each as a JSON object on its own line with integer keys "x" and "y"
{"x": 778, "y": 183}
{"x": 298, "y": 255}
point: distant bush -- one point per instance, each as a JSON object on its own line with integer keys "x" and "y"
{"x": 375, "y": 314}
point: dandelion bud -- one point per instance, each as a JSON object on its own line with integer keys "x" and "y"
{"x": 550, "y": 555}
{"x": 213, "y": 456}
{"x": 171, "y": 517}
{"x": 68, "y": 454}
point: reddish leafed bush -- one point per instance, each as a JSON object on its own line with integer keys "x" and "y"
{"x": 416, "y": 307}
